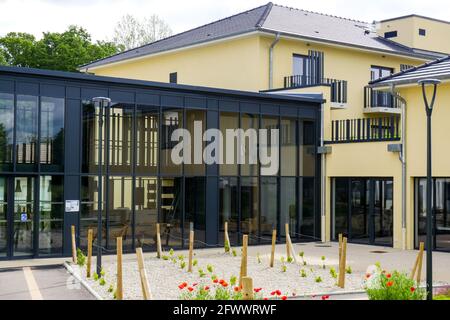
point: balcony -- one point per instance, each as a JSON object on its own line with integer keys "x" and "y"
{"x": 365, "y": 130}
{"x": 338, "y": 87}
{"x": 381, "y": 102}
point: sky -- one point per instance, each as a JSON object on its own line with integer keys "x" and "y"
{"x": 100, "y": 16}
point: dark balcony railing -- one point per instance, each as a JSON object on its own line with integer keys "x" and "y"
{"x": 338, "y": 87}
{"x": 380, "y": 99}
{"x": 365, "y": 130}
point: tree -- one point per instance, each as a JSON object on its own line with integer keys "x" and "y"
{"x": 131, "y": 33}
{"x": 57, "y": 51}
{"x": 2, "y": 58}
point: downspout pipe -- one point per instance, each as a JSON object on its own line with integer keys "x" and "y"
{"x": 403, "y": 162}
{"x": 271, "y": 49}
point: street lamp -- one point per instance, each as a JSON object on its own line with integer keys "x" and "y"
{"x": 102, "y": 103}
{"x": 429, "y": 111}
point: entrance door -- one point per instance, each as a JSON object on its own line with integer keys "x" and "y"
{"x": 17, "y": 212}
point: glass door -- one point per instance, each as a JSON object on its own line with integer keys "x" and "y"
{"x": 3, "y": 217}
{"x": 22, "y": 218}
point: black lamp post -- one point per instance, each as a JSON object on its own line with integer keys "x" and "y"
{"x": 430, "y": 240}
{"x": 102, "y": 103}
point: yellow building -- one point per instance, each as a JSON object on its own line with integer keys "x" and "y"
{"x": 284, "y": 50}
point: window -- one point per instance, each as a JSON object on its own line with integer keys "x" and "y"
{"x": 26, "y": 132}
{"x": 197, "y": 166}
{"x": 377, "y": 72}
{"x": 6, "y": 130}
{"x": 250, "y": 208}
{"x": 195, "y": 209}
{"x": 228, "y": 209}
{"x": 229, "y": 121}
{"x": 301, "y": 67}
{"x": 289, "y": 149}
{"x": 120, "y": 138}
{"x": 146, "y": 211}
{"x": 173, "y": 77}
{"x": 404, "y": 67}
{"x": 269, "y": 206}
{"x": 171, "y": 217}
{"x": 422, "y": 32}
{"x": 172, "y": 119}
{"x": 390, "y": 34}
{"x": 147, "y": 138}
{"x": 288, "y": 202}
{"x": 307, "y": 148}
{"x": 249, "y": 121}
{"x": 52, "y": 134}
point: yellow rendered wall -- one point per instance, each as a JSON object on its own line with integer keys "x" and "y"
{"x": 230, "y": 64}
{"x": 408, "y": 33}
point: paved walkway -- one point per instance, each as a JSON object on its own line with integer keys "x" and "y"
{"x": 40, "y": 283}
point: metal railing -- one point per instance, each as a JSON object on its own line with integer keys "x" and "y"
{"x": 365, "y": 130}
{"x": 380, "y": 99}
{"x": 338, "y": 87}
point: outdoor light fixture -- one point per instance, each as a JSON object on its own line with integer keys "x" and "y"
{"x": 102, "y": 103}
{"x": 429, "y": 111}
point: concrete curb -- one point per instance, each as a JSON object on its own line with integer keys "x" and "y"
{"x": 83, "y": 282}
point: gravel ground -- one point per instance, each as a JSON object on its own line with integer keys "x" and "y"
{"x": 165, "y": 276}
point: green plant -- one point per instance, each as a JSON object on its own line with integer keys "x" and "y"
{"x": 201, "y": 273}
{"x": 258, "y": 257}
{"x": 227, "y": 246}
{"x": 283, "y": 260}
{"x": 233, "y": 280}
{"x": 195, "y": 262}
{"x": 318, "y": 279}
{"x": 111, "y": 288}
{"x": 95, "y": 276}
{"x": 349, "y": 270}
{"x": 392, "y": 286}
{"x": 323, "y": 262}
{"x": 182, "y": 264}
{"x": 333, "y": 273}
{"x": 102, "y": 272}
{"x": 283, "y": 268}
{"x": 290, "y": 259}
{"x": 181, "y": 257}
{"x": 303, "y": 273}
{"x": 301, "y": 254}
{"x": 210, "y": 268}
{"x": 165, "y": 257}
{"x": 234, "y": 253}
{"x": 102, "y": 281}
{"x": 81, "y": 258}
{"x": 115, "y": 295}
{"x": 171, "y": 252}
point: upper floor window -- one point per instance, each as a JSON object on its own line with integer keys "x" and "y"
{"x": 422, "y": 32}
{"x": 390, "y": 34}
{"x": 173, "y": 77}
{"x": 377, "y": 72}
{"x": 300, "y": 68}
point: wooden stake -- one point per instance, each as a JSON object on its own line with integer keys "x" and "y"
{"x": 342, "y": 266}
{"x": 191, "y": 249}
{"x": 143, "y": 275}
{"x": 272, "y": 252}
{"x": 119, "y": 289}
{"x": 288, "y": 249}
{"x": 74, "y": 246}
{"x": 89, "y": 251}
{"x": 247, "y": 288}
{"x": 243, "y": 272}
{"x": 340, "y": 248}
{"x": 158, "y": 241}
{"x": 419, "y": 267}
{"x": 226, "y": 239}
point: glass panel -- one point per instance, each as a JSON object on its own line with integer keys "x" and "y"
{"x": 307, "y": 152}
{"x": 26, "y": 132}
{"x": 307, "y": 209}
{"x": 269, "y": 208}
{"x": 289, "y": 149}
{"x": 229, "y": 121}
{"x": 300, "y": 69}
{"x": 51, "y": 210}
{"x": 421, "y": 214}
{"x": 250, "y": 121}
{"x": 52, "y": 134}
{"x": 89, "y": 210}
{"x": 195, "y": 209}
{"x": 90, "y": 139}
{"x": 119, "y": 210}
{"x": 288, "y": 201}
{"x": 228, "y": 209}
{"x": 249, "y": 208}
{"x": 359, "y": 203}
{"x": 442, "y": 213}
{"x": 120, "y": 138}
{"x": 341, "y": 207}
{"x": 6, "y": 130}
{"x": 3, "y": 216}
{"x": 196, "y": 142}
{"x": 147, "y": 139}
{"x": 23, "y": 216}
{"x": 172, "y": 119}
{"x": 383, "y": 212}
{"x": 171, "y": 212}
{"x": 146, "y": 211}
{"x": 270, "y": 123}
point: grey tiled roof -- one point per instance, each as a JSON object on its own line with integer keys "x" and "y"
{"x": 275, "y": 19}
{"x": 438, "y": 69}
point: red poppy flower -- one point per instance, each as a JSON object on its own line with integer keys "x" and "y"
{"x": 257, "y": 290}
{"x": 206, "y": 288}
{"x": 389, "y": 276}
{"x": 236, "y": 289}
{"x": 390, "y": 284}
{"x": 221, "y": 281}
{"x": 283, "y": 298}
{"x": 181, "y": 287}
{"x": 368, "y": 276}
{"x": 412, "y": 289}
{"x": 266, "y": 299}
{"x": 215, "y": 281}
{"x": 224, "y": 284}
{"x": 273, "y": 293}
{"x": 194, "y": 284}
{"x": 325, "y": 297}
{"x": 278, "y": 292}
{"x": 190, "y": 289}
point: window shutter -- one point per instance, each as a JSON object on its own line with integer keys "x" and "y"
{"x": 316, "y": 68}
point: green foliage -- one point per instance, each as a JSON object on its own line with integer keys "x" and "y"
{"x": 95, "y": 276}
{"x": 201, "y": 273}
{"x": 111, "y": 288}
{"x": 283, "y": 268}
{"x": 102, "y": 272}
{"x": 333, "y": 273}
{"x": 171, "y": 252}
{"x": 64, "y": 51}
{"x": 81, "y": 258}
{"x": 194, "y": 262}
{"x": 303, "y": 273}
{"x": 210, "y": 268}
{"x": 181, "y": 257}
{"x": 233, "y": 280}
{"x": 282, "y": 260}
{"x": 318, "y": 279}
{"x": 441, "y": 297}
{"x": 183, "y": 264}
{"x": 323, "y": 262}
{"x": 234, "y": 253}
{"x": 227, "y": 246}
{"x": 348, "y": 270}
{"x": 166, "y": 258}
{"x": 394, "y": 286}
{"x": 290, "y": 259}
{"x": 102, "y": 281}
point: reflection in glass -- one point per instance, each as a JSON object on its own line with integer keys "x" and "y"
{"x": 3, "y": 216}
{"x": 23, "y": 216}
{"x": 26, "y": 132}
{"x": 51, "y": 210}
{"x": 6, "y": 130}
{"x": 229, "y": 121}
{"x": 359, "y": 210}
{"x": 288, "y": 202}
{"x": 307, "y": 209}
{"x": 52, "y": 134}
{"x": 307, "y": 152}
{"x": 250, "y": 208}
{"x": 146, "y": 211}
{"x": 90, "y": 139}
{"x": 249, "y": 121}
{"x": 269, "y": 123}
{"x": 120, "y": 138}
{"x": 269, "y": 203}
{"x": 172, "y": 119}
{"x": 193, "y": 116}
{"x": 119, "y": 211}
{"x": 195, "y": 209}
{"x": 383, "y": 212}
{"x": 228, "y": 209}
{"x": 289, "y": 152}
{"x": 147, "y": 139}
{"x": 171, "y": 218}
{"x": 341, "y": 207}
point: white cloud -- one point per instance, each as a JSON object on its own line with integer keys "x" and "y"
{"x": 100, "y": 16}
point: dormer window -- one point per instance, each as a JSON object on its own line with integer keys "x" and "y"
{"x": 422, "y": 32}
